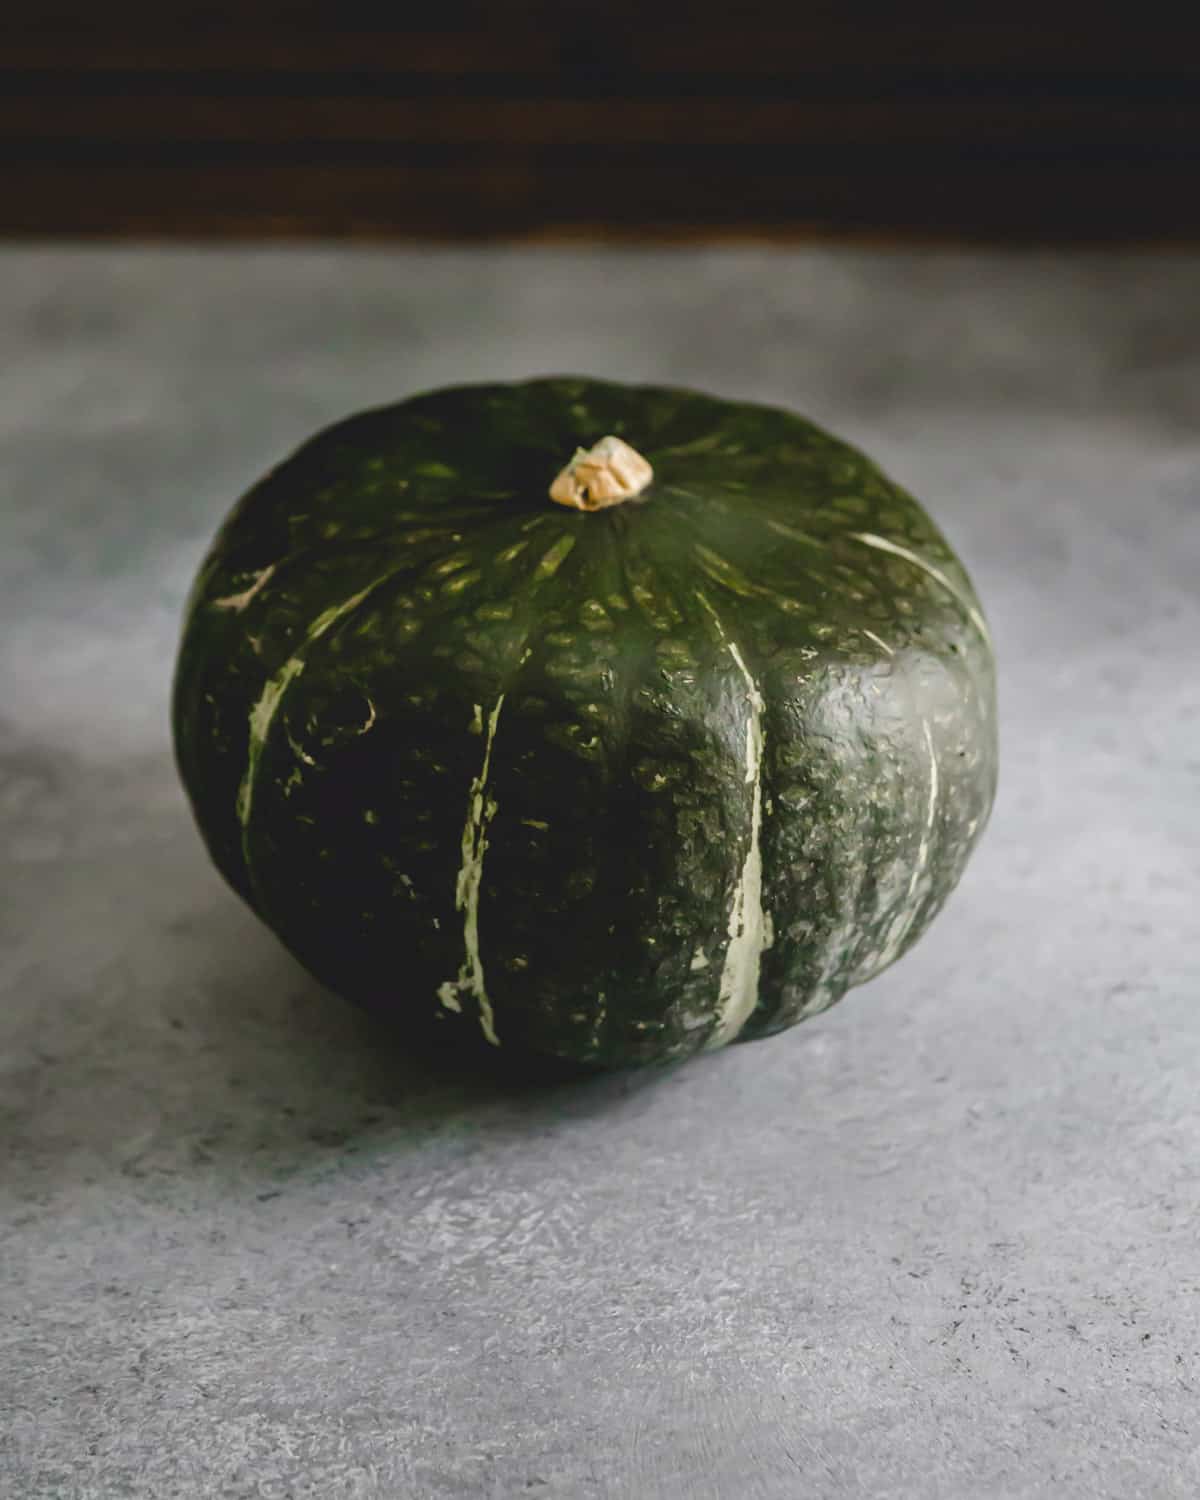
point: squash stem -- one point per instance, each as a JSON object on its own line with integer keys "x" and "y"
{"x": 608, "y": 473}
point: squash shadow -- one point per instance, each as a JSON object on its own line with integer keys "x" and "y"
{"x": 173, "y": 1037}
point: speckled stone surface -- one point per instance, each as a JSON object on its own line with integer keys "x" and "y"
{"x": 939, "y": 1242}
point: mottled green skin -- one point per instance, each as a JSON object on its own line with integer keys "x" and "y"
{"x": 618, "y": 769}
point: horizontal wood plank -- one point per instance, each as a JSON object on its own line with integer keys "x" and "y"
{"x": 518, "y": 201}
{"x": 875, "y": 118}
{"x": 621, "y": 39}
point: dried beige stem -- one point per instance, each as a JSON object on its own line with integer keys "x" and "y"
{"x": 605, "y": 474}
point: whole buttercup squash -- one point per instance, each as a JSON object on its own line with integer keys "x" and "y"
{"x": 603, "y": 722}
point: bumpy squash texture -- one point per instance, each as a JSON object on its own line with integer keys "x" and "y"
{"x": 611, "y": 787}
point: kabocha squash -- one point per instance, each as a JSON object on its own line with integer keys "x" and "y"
{"x": 609, "y": 723}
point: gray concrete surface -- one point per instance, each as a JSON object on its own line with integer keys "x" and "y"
{"x": 941, "y": 1242}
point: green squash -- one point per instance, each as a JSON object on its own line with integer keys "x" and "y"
{"x": 614, "y": 783}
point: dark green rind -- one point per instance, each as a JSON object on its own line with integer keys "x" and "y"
{"x": 624, "y": 721}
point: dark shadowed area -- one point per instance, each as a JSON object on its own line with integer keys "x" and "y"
{"x": 1039, "y": 121}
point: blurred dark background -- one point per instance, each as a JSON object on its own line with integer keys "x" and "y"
{"x": 1051, "y": 123}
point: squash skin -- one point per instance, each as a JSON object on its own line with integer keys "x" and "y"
{"x": 490, "y": 765}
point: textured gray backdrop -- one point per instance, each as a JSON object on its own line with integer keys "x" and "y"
{"x": 942, "y": 1243}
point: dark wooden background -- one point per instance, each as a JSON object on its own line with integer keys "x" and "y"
{"x": 1035, "y": 123}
